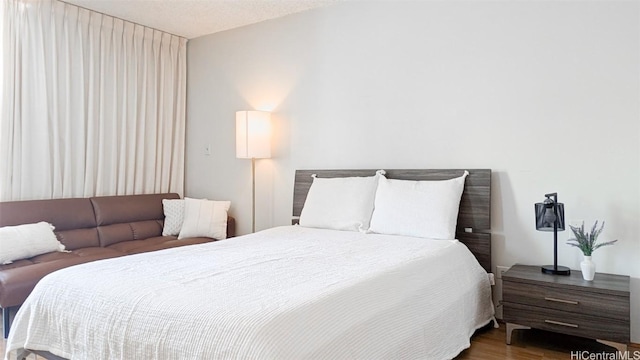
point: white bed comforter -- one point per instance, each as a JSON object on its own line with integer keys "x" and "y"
{"x": 284, "y": 293}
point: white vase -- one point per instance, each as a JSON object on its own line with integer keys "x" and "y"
{"x": 588, "y": 268}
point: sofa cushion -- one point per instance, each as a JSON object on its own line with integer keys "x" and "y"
{"x": 129, "y": 246}
{"x": 173, "y": 216}
{"x": 204, "y": 218}
{"x": 84, "y": 252}
{"x": 78, "y": 238}
{"x": 156, "y": 243}
{"x": 55, "y": 212}
{"x": 16, "y": 264}
{"x": 130, "y": 217}
{"x": 130, "y": 208}
{"x": 116, "y": 233}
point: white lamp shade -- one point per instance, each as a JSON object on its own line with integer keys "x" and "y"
{"x": 253, "y": 134}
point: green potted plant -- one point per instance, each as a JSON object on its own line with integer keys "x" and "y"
{"x": 587, "y": 243}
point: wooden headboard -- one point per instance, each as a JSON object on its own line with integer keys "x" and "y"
{"x": 474, "y": 217}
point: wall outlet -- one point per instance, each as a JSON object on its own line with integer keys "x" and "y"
{"x": 500, "y": 270}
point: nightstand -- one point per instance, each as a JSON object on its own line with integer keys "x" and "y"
{"x": 597, "y": 309}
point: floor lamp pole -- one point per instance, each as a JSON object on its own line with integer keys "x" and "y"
{"x": 253, "y": 195}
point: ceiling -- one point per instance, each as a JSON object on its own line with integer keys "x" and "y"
{"x": 193, "y": 18}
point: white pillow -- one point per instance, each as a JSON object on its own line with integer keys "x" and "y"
{"x": 340, "y": 203}
{"x": 204, "y": 218}
{"x": 25, "y": 241}
{"x": 173, "y": 216}
{"x": 427, "y": 209}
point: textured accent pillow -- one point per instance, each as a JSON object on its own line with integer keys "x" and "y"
{"x": 28, "y": 240}
{"x": 173, "y": 216}
{"x": 427, "y": 209}
{"x": 204, "y": 218}
{"x": 340, "y": 203}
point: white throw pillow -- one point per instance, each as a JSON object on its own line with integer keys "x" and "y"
{"x": 25, "y": 241}
{"x": 427, "y": 209}
{"x": 204, "y": 218}
{"x": 173, "y": 216}
{"x": 340, "y": 203}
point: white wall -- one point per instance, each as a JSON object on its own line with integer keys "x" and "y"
{"x": 544, "y": 93}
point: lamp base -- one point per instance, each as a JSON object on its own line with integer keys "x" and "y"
{"x": 561, "y": 270}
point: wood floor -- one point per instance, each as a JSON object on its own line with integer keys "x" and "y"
{"x": 488, "y": 344}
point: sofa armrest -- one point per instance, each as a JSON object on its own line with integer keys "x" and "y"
{"x": 231, "y": 226}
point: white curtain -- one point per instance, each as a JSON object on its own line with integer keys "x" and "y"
{"x": 92, "y": 105}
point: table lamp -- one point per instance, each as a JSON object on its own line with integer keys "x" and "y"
{"x": 550, "y": 217}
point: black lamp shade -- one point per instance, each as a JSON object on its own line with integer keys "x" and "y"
{"x": 545, "y": 216}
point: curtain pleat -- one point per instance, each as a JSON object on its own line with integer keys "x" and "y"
{"x": 92, "y": 105}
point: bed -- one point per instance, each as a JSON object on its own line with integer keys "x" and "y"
{"x": 290, "y": 292}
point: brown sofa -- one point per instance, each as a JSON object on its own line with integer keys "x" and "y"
{"x": 92, "y": 229}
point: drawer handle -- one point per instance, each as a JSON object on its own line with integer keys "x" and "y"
{"x": 561, "y": 323}
{"x": 561, "y": 301}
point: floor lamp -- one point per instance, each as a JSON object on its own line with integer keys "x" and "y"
{"x": 253, "y": 141}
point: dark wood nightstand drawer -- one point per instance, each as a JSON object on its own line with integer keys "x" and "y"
{"x": 569, "y": 300}
{"x": 589, "y": 326}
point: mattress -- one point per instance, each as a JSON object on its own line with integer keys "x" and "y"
{"x": 284, "y": 293}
